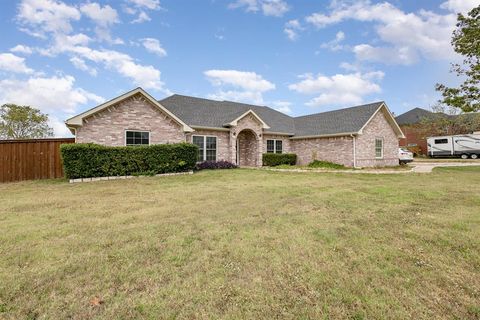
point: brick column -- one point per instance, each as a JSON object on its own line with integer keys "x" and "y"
{"x": 233, "y": 145}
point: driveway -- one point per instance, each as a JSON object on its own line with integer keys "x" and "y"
{"x": 427, "y": 167}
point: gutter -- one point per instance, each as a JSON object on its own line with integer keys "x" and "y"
{"x": 354, "y": 150}
{"x": 341, "y": 134}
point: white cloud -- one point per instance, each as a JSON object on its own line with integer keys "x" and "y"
{"x": 149, "y": 4}
{"x": 242, "y": 79}
{"x": 142, "y": 17}
{"x": 335, "y": 44}
{"x": 246, "y": 86}
{"x": 145, "y": 76}
{"x": 389, "y": 55}
{"x": 153, "y": 45}
{"x": 339, "y": 89}
{"x": 22, "y": 49}
{"x": 60, "y": 130}
{"x": 12, "y": 63}
{"x": 292, "y": 28}
{"x": 282, "y": 106}
{"x": 48, "y": 15}
{"x": 81, "y": 65}
{"x": 276, "y": 8}
{"x": 405, "y": 36}
{"x": 104, "y": 17}
{"x": 48, "y": 94}
{"x": 460, "y": 6}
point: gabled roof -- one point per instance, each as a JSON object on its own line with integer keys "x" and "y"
{"x": 416, "y": 115}
{"x": 199, "y": 112}
{"x": 78, "y": 119}
{"x": 342, "y": 121}
{"x": 235, "y": 121}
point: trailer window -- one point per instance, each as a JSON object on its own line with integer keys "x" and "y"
{"x": 441, "y": 141}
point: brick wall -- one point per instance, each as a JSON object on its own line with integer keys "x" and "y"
{"x": 333, "y": 149}
{"x": 285, "y": 142}
{"x": 365, "y": 143}
{"x": 415, "y": 135}
{"x": 248, "y": 122}
{"x": 223, "y": 141}
{"x": 136, "y": 113}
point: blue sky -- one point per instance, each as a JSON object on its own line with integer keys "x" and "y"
{"x": 300, "y": 57}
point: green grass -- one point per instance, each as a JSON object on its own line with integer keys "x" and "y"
{"x": 325, "y": 164}
{"x": 243, "y": 244}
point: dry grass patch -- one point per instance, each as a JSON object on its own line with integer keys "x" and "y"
{"x": 243, "y": 244}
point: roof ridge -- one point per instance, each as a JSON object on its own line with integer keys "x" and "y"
{"x": 212, "y": 100}
{"x": 339, "y": 110}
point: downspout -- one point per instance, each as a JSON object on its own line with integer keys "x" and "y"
{"x": 354, "y": 151}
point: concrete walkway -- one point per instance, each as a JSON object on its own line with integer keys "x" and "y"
{"x": 415, "y": 167}
{"x": 427, "y": 167}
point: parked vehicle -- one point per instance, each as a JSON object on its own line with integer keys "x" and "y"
{"x": 404, "y": 156}
{"x": 463, "y": 146}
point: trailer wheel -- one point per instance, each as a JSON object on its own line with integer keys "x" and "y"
{"x": 474, "y": 156}
{"x": 464, "y": 156}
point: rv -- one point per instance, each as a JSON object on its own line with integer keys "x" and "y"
{"x": 463, "y": 146}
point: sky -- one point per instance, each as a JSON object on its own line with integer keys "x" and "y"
{"x": 299, "y": 57}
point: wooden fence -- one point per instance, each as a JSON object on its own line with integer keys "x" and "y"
{"x": 31, "y": 159}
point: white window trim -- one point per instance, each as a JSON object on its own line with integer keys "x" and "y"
{"x": 381, "y": 139}
{"x": 129, "y": 130}
{"x": 274, "y": 145}
{"x": 205, "y": 145}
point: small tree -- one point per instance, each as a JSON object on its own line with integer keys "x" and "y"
{"x": 23, "y": 122}
{"x": 466, "y": 42}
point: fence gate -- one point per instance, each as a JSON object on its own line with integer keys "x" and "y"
{"x": 31, "y": 159}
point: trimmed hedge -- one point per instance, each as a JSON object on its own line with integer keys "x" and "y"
{"x": 276, "y": 159}
{"x": 222, "y": 164}
{"x": 87, "y": 160}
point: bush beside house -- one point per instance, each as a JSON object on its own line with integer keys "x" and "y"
{"x": 92, "y": 160}
{"x": 277, "y": 159}
{"x": 215, "y": 165}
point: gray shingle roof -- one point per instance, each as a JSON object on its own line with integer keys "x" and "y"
{"x": 210, "y": 113}
{"x": 415, "y": 116}
{"x": 347, "y": 120}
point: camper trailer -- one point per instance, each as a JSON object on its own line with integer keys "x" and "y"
{"x": 463, "y": 146}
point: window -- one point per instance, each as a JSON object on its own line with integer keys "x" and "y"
{"x": 278, "y": 146}
{"x": 207, "y": 148}
{"x": 441, "y": 141}
{"x": 379, "y": 148}
{"x": 270, "y": 146}
{"x": 274, "y": 146}
{"x": 137, "y": 138}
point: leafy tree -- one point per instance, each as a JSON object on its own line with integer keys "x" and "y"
{"x": 466, "y": 42}
{"x": 23, "y": 122}
{"x": 448, "y": 120}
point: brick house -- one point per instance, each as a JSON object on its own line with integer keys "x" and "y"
{"x": 362, "y": 136}
{"x": 415, "y": 130}
{"x": 418, "y": 124}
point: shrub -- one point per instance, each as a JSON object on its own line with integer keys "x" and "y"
{"x": 222, "y": 164}
{"x": 87, "y": 160}
{"x": 276, "y": 159}
{"x": 325, "y": 164}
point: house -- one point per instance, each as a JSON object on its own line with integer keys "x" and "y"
{"x": 362, "y": 136}
{"x": 415, "y": 129}
{"x": 418, "y": 124}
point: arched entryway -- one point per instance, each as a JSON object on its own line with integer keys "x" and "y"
{"x": 247, "y": 148}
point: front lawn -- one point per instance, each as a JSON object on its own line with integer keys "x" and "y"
{"x": 243, "y": 243}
